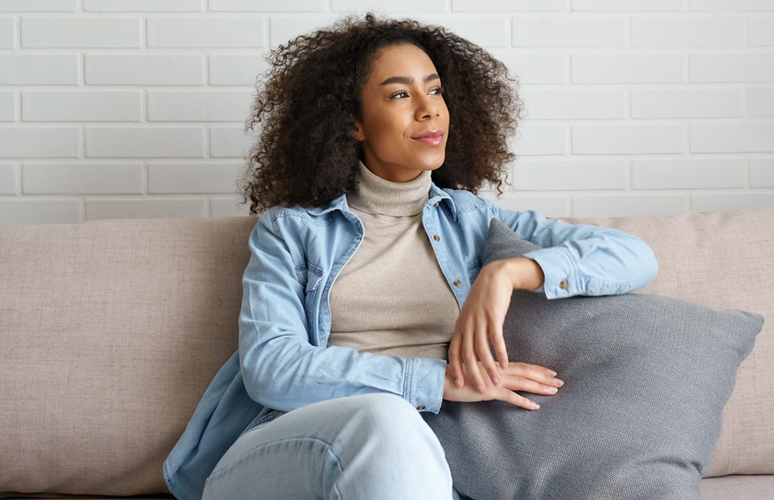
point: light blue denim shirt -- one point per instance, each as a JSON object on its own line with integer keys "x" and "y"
{"x": 283, "y": 363}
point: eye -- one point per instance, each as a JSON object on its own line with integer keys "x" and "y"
{"x": 437, "y": 90}
{"x": 399, "y": 95}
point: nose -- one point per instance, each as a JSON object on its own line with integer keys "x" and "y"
{"x": 427, "y": 108}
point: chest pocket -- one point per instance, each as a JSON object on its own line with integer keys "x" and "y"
{"x": 309, "y": 275}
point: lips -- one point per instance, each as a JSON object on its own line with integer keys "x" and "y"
{"x": 430, "y": 137}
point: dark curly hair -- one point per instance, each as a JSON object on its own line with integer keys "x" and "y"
{"x": 306, "y": 109}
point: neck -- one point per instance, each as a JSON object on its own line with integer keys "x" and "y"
{"x": 379, "y": 196}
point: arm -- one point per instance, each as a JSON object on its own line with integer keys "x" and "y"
{"x": 282, "y": 369}
{"x": 591, "y": 260}
{"x": 572, "y": 260}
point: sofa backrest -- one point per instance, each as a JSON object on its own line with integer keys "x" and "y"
{"x": 110, "y": 331}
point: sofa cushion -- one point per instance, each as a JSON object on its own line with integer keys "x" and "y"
{"x": 722, "y": 260}
{"x": 646, "y": 378}
{"x": 110, "y": 331}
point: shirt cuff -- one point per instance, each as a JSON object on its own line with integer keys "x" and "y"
{"x": 560, "y": 271}
{"x": 423, "y": 385}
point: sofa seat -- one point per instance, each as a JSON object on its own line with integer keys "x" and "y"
{"x": 713, "y": 488}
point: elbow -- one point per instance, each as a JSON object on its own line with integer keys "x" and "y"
{"x": 263, "y": 391}
{"x": 254, "y": 376}
{"x": 269, "y": 374}
{"x": 647, "y": 268}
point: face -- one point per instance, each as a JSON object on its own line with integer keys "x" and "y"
{"x": 404, "y": 122}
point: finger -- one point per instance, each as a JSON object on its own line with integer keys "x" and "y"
{"x": 471, "y": 363}
{"x": 455, "y": 359}
{"x": 518, "y": 383}
{"x": 537, "y": 368}
{"x": 515, "y": 399}
{"x": 534, "y": 372}
{"x": 499, "y": 345}
{"x": 485, "y": 355}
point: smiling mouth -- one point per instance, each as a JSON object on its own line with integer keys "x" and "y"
{"x": 431, "y": 137}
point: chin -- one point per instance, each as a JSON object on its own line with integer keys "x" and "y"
{"x": 434, "y": 163}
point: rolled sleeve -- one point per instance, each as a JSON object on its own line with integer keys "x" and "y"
{"x": 423, "y": 383}
{"x": 562, "y": 276}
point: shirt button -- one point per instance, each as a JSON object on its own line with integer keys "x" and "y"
{"x": 563, "y": 285}
{"x": 421, "y": 407}
{"x": 457, "y": 283}
{"x": 436, "y": 237}
{"x": 436, "y": 204}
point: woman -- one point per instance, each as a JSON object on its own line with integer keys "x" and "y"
{"x": 375, "y": 136}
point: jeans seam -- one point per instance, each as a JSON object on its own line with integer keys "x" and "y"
{"x": 266, "y": 445}
{"x": 341, "y": 468}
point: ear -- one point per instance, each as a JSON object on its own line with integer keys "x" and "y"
{"x": 357, "y": 132}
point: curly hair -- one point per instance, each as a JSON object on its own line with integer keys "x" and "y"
{"x": 306, "y": 109}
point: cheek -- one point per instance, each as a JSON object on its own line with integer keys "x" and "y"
{"x": 384, "y": 126}
{"x": 445, "y": 112}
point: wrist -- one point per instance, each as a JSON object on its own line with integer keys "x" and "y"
{"x": 524, "y": 273}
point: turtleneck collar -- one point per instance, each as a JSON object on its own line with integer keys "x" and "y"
{"x": 378, "y": 196}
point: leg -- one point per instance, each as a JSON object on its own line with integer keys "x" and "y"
{"x": 372, "y": 446}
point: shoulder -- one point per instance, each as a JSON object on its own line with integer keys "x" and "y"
{"x": 283, "y": 220}
{"x": 464, "y": 202}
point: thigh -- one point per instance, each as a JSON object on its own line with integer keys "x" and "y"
{"x": 353, "y": 444}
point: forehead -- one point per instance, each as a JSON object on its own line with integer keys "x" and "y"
{"x": 400, "y": 60}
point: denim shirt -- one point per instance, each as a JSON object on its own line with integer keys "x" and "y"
{"x": 283, "y": 363}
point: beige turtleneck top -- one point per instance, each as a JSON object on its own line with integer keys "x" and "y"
{"x": 392, "y": 298}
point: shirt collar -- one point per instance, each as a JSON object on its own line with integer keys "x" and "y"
{"x": 437, "y": 195}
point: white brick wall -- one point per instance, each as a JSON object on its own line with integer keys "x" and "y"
{"x": 142, "y": 5}
{"x": 7, "y": 33}
{"x": 529, "y": 31}
{"x": 135, "y": 108}
{"x": 66, "y": 32}
{"x": 146, "y": 70}
{"x": 7, "y": 106}
{"x": 80, "y": 105}
{"x": 8, "y": 178}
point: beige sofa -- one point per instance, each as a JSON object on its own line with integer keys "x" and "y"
{"x": 110, "y": 331}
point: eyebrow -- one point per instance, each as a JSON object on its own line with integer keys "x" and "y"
{"x": 407, "y": 80}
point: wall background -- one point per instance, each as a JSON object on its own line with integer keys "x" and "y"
{"x": 135, "y": 108}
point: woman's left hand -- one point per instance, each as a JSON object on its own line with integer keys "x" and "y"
{"x": 482, "y": 316}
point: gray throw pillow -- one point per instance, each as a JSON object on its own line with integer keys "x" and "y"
{"x": 646, "y": 378}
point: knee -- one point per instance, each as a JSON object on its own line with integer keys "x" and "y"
{"x": 393, "y": 420}
{"x": 386, "y": 440}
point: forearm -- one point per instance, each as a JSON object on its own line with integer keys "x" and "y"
{"x": 583, "y": 259}
{"x": 288, "y": 373}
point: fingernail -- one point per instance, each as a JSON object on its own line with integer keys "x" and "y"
{"x": 554, "y": 373}
{"x": 480, "y": 387}
{"x": 457, "y": 381}
{"x": 553, "y": 390}
{"x": 535, "y": 406}
{"x": 559, "y": 382}
{"x": 496, "y": 381}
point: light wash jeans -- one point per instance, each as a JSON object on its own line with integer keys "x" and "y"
{"x": 369, "y": 447}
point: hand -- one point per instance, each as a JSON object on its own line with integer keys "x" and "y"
{"x": 481, "y": 319}
{"x": 515, "y": 377}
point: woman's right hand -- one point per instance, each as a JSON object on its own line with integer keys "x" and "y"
{"x": 516, "y": 377}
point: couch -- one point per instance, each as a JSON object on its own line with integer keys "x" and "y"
{"x": 110, "y": 331}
